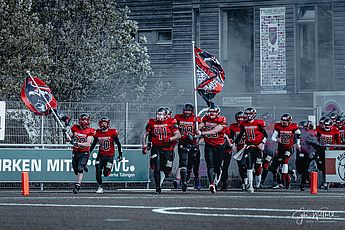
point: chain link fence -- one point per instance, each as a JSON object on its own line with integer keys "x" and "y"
{"x": 23, "y": 127}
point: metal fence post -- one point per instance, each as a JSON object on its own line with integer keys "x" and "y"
{"x": 126, "y": 124}
{"x": 42, "y": 129}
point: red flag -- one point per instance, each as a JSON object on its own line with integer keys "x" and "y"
{"x": 210, "y": 74}
{"x": 37, "y": 96}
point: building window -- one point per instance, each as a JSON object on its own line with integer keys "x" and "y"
{"x": 164, "y": 36}
{"x": 237, "y": 49}
{"x": 315, "y": 48}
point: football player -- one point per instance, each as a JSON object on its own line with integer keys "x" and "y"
{"x": 81, "y": 139}
{"x": 327, "y": 134}
{"x": 105, "y": 137}
{"x": 164, "y": 133}
{"x": 306, "y": 153}
{"x": 212, "y": 129}
{"x": 188, "y": 150}
{"x": 340, "y": 124}
{"x": 255, "y": 138}
{"x": 285, "y": 133}
{"x": 234, "y": 131}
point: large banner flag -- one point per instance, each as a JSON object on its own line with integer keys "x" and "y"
{"x": 37, "y": 96}
{"x": 209, "y": 73}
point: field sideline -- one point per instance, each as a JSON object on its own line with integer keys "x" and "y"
{"x": 142, "y": 209}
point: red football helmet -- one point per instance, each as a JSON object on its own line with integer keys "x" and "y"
{"x": 84, "y": 120}
{"x": 286, "y": 119}
{"x": 322, "y": 121}
{"x": 104, "y": 123}
{"x": 239, "y": 116}
{"x": 340, "y": 121}
{"x": 213, "y": 111}
{"x": 327, "y": 124}
{"x": 161, "y": 114}
{"x": 188, "y": 109}
{"x": 250, "y": 113}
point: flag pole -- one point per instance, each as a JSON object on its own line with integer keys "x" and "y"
{"x": 39, "y": 91}
{"x": 194, "y": 81}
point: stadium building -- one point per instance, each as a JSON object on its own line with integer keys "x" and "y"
{"x": 275, "y": 53}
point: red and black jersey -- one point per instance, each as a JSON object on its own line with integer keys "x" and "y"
{"x": 80, "y": 135}
{"x": 106, "y": 142}
{"x": 187, "y": 127}
{"x": 331, "y": 137}
{"x": 286, "y": 134}
{"x": 160, "y": 131}
{"x": 254, "y": 131}
{"x": 234, "y": 131}
{"x": 209, "y": 124}
{"x": 342, "y": 135}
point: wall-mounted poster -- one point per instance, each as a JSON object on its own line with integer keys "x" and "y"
{"x": 272, "y": 50}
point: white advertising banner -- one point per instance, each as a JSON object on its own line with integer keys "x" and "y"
{"x": 272, "y": 50}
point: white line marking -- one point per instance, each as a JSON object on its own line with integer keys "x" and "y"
{"x": 163, "y": 208}
{"x": 79, "y": 206}
{"x": 170, "y": 211}
{"x": 116, "y": 220}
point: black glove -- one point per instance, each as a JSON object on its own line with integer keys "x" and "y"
{"x": 73, "y": 141}
{"x": 119, "y": 158}
{"x": 149, "y": 146}
{"x": 144, "y": 150}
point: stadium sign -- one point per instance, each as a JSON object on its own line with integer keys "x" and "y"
{"x": 335, "y": 166}
{"x": 53, "y": 165}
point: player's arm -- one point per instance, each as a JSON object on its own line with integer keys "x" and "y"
{"x": 93, "y": 145}
{"x": 175, "y": 137}
{"x": 215, "y": 130}
{"x": 240, "y": 135}
{"x": 275, "y": 136}
{"x": 119, "y": 148}
{"x": 87, "y": 143}
{"x": 298, "y": 134}
{"x": 263, "y": 130}
{"x": 144, "y": 142}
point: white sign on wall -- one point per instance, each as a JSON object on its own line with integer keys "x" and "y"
{"x": 2, "y": 120}
{"x": 272, "y": 50}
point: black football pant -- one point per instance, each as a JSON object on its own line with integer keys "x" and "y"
{"x": 302, "y": 166}
{"x": 103, "y": 164}
{"x": 225, "y": 167}
{"x": 213, "y": 158}
{"x": 161, "y": 160}
{"x": 189, "y": 159}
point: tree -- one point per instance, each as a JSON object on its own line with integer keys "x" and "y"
{"x": 94, "y": 51}
{"x": 82, "y": 49}
{"x": 22, "y": 46}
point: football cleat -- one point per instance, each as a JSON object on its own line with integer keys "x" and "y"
{"x": 224, "y": 186}
{"x": 184, "y": 186}
{"x": 212, "y": 188}
{"x": 76, "y": 188}
{"x": 177, "y": 184}
{"x": 197, "y": 184}
{"x": 278, "y": 186}
{"x": 250, "y": 189}
{"x": 243, "y": 187}
{"x": 158, "y": 190}
{"x": 301, "y": 187}
{"x": 295, "y": 176}
{"x": 99, "y": 190}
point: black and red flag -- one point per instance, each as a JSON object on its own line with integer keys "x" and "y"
{"x": 37, "y": 96}
{"x": 209, "y": 73}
